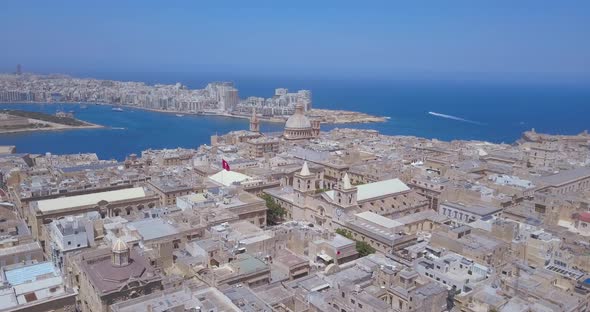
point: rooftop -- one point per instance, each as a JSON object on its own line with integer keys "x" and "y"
{"x": 381, "y": 188}
{"x": 565, "y": 177}
{"x": 153, "y": 228}
{"x": 377, "y": 189}
{"x": 108, "y": 278}
{"x": 228, "y": 178}
{"x": 49, "y": 205}
{"x": 378, "y": 219}
{"x": 29, "y": 273}
{"x": 474, "y": 209}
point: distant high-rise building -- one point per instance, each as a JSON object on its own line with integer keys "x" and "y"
{"x": 225, "y": 93}
{"x": 18, "y": 69}
{"x": 281, "y": 91}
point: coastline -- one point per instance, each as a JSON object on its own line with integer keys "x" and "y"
{"x": 50, "y": 125}
{"x": 326, "y": 116}
{"x": 52, "y": 128}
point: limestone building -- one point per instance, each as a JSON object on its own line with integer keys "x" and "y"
{"x": 108, "y": 204}
{"x": 389, "y": 198}
{"x": 107, "y": 276}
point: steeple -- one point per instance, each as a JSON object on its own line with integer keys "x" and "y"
{"x": 254, "y": 123}
{"x": 345, "y": 194}
{"x": 305, "y": 170}
{"x": 346, "y": 185}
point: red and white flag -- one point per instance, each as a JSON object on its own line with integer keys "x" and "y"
{"x": 225, "y": 164}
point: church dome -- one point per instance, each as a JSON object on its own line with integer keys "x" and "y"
{"x": 298, "y": 120}
{"x": 120, "y": 246}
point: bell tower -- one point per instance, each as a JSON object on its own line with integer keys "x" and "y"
{"x": 303, "y": 184}
{"x": 345, "y": 194}
{"x": 254, "y": 123}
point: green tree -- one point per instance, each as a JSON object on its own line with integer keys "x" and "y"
{"x": 344, "y": 232}
{"x": 274, "y": 212}
{"x": 363, "y": 248}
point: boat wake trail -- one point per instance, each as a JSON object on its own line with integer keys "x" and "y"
{"x": 455, "y": 118}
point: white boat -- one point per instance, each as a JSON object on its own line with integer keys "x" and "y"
{"x": 117, "y": 109}
{"x": 179, "y": 115}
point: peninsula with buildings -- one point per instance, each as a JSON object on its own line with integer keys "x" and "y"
{"x": 13, "y": 121}
{"x": 217, "y": 98}
{"x": 301, "y": 221}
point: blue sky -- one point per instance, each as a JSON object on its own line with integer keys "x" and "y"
{"x": 382, "y": 38}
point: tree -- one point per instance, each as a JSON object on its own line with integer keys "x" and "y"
{"x": 274, "y": 211}
{"x": 363, "y": 248}
{"x": 344, "y": 232}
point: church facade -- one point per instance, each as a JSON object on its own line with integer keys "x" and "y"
{"x": 331, "y": 209}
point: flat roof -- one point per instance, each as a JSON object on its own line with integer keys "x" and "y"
{"x": 29, "y": 273}
{"x": 565, "y": 177}
{"x": 339, "y": 241}
{"x": 48, "y": 205}
{"x": 153, "y": 228}
{"x": 378, "y": 219}
{"x": 28, "y": 247}
{"x": 475, "y": 209}
{"x": 228, "y": 178}
{"x": 194, "y": 197}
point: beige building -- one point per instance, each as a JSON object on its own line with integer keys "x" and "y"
{"x": 335, "y": 249}
{"x": 123, "y": 202}
{"x": 384, "y": 234}
{"x": 261, "y": 147}
{"x": 110, "y": 275}
{"x": 565, "y": 182}
{"x": 168, "y": 191}
{"x": 475, "y": 244}
{"x": 390, "y": 198}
